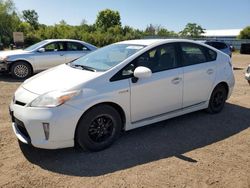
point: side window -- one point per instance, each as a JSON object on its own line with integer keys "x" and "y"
{"x": 157, "y": 59}
{"x": 74, "y": 46}
{"x": 192, "y": 54}
{"x": 211, "y": 55}
{"x": 54, "y": 47}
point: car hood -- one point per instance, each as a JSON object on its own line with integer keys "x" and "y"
{"x": 62, "y": 77}
{"x": 12, "y": 52}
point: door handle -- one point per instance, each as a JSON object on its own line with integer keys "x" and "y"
{"x": 210, "y": 71}
{"x": 61, "y": 54}
{"x": 176, "y": 80}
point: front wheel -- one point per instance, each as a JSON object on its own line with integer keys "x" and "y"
{"x": 217, "y": 99}
{"x": 98, "y": 128}
{"x": 21, "y": 70}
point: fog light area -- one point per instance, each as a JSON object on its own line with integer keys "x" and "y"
{"x": 46, "y": 130}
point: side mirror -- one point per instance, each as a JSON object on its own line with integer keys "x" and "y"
{"x": 142, "y": 72}
{"x": 41, "y": 50}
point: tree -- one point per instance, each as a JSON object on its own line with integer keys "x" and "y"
{"x": 192, "y": 30}
{"x": 166, "y": 33}
{"x": 151, "y": 29}
{"x": 108, "y": 18}
{"x": 31, "y": 17}
{"x": 84, "y": 22}
{"x": 245, "y": 33}
{"x": 9, "y": 21}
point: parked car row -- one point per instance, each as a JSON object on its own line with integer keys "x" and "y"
{"x": 129, "y": 84}
{"x": 43, "y": 55}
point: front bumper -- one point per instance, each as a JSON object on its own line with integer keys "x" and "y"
{"x": 27, "y": 124}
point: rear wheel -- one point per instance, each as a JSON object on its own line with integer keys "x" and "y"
{"x": 98, "y": 128}
{"x": 217, "y": 99}
{"x": 21, "y": 70}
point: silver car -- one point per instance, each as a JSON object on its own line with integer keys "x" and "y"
{"x": 43, "y": 55}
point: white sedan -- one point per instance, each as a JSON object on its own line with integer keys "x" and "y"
{"x": 119, "y": 87}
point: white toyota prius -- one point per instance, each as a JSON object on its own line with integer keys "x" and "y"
{"x": 126, "y": 85}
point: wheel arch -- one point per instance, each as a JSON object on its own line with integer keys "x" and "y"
{"x": 21, "y": 60}
{"x": 112, "y": 104}
{"x": 222, "y": 83}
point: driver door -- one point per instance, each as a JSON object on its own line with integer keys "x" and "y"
{"x": 162, "y": 92}
{"x": 53, "y": 55}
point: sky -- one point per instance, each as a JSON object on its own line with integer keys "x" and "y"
{"x": 171, "y": 14}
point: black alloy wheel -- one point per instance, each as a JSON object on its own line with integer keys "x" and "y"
{"x": 98, "y": 128}
{"x": 217, "y": 99}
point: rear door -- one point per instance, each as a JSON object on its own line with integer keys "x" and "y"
{"x": 199, "y": 67}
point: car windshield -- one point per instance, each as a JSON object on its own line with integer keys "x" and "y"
{"x": 34, "y": 46}
{"x": 107, "y": 57}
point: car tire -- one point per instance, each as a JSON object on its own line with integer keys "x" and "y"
{"x": 21, "y": 70}
{"x": 217, "y": 100}
{"x": 98, "y": 128}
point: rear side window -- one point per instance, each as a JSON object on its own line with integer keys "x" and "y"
{"x": 211, "y": 55}
{"x": 195, "y": 54}
{"x": 74, "y": 46}
{"x": 192, "y": 54}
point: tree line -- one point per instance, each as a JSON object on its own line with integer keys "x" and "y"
{"x": 107, "y": 28}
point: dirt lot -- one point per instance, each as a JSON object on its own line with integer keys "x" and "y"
{"x": 195, "y": 150}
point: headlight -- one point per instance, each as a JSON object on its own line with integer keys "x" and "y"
{"x": 53, "y": 99}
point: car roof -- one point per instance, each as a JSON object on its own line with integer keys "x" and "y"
{"x": 148, "y": 42}
{"x": 91, "y": 46}
{"x": 55, "y": 40}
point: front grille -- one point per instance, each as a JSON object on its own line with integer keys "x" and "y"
{"x": 20, "y": 126}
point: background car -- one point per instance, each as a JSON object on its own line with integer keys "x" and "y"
{"x": 43, "y": 55}
{"x": 120, "y": 87}
{"x": 247, "y": 75}
{"x": 222, "y": 46}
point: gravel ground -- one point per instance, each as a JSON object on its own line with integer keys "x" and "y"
{"x": 194, "y": 150}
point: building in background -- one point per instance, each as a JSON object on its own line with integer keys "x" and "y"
{"x": 228, "y": 36}
{"x": 222, "y": 34}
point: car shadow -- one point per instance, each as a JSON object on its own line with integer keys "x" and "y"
{"x": 165, "y": 139}
{"x": 5, "y": 77}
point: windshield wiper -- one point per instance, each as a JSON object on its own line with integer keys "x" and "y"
{"x": 83, "y": 67}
